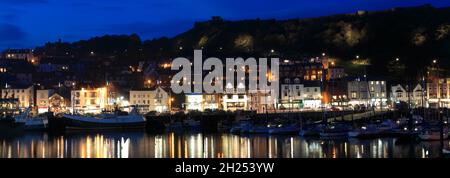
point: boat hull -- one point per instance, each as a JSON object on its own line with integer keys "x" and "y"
{"x": 431, "y": 136}
{"x": 284, "y": 131}
{"x": 333, "y": 135}
{"x": 77, "y": 124}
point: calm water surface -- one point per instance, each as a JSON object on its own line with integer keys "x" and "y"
{"x": 172, "y": 145}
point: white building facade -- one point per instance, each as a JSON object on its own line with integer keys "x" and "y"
{"x": 24, "y": 95}
{"x": 93, "y": 100}
{"x": 150, "y": 100}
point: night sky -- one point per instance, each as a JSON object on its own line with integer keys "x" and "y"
{"x": 27, "y": 23}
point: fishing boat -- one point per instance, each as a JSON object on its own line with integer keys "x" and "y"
{"x": 285, "y": 129}
{"x": 118, "y": 120}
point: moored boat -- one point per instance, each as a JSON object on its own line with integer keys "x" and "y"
{"x": 133, "y": 120}
{"x": 312, "y": 131}
{"x": 432, "y": 134}
{"x": 241, "y": 126}
{"x": 285, "y": 129}
{"x": 260, "y": 129}
{"x": 368, "y": 131}
{"x": 38, "y": 123}
{"x": 339, "y": 130}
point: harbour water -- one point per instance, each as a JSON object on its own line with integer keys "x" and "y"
{"x": 196, "y": 145}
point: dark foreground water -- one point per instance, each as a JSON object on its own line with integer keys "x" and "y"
{"x": 172, "y": 145}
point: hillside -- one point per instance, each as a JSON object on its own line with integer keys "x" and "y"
{"x": 415, "y": 35}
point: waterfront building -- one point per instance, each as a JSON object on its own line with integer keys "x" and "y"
{"x": 378, "y": 95}
{"x": 401, "y": 93}
{"x": 57, "y": 103}
{"x": 89, "y": 100}
{"x": 147, "y": 100}
{"x": 42, "y": 100}
{"x": 25, "y": 95}
{"x": 291, "y": 94}
{"x": 312, "y": 95}
{"x": 367, "y": 93}
{"x": 358, "y": 92}
{"x": 335, "y": 93}
{"x": 235, "y": 101}
{"x": 438, "y": 92}
{"x": 9, "y": 106}
{"x": 202, "y": 102}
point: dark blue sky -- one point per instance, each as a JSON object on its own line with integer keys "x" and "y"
{"x": 27, "y": 23}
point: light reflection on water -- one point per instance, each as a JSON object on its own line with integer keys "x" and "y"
{"x": 171, "y": 145}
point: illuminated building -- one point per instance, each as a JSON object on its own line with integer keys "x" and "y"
{"x": 401, "y": 93}
{"x": 89, "y": 100}
{"x": 291, "y": 94}
{"x": 367, "y": 93}
{"x": 201, "y": 102}
{"x": 438, "y": 92}
{"x": 57, "y": 103}
{"x": 312, "y": 95}
{"x": 147, "y": 100}
{"x": 234, "y": 102}
{"x": 25, "y": 95}
{"x": 20, "y": 54}
{"x": 42, "y": 100}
